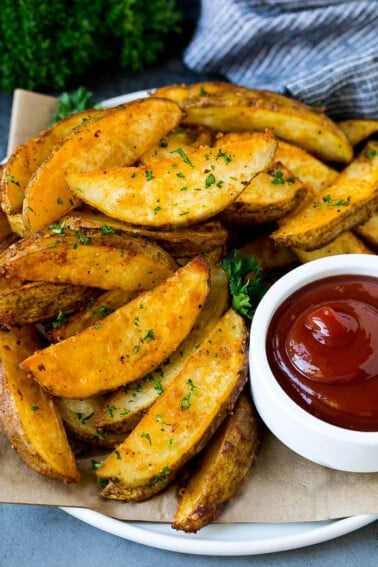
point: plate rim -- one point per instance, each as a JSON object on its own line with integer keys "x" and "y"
{"x": 143, "y": 533}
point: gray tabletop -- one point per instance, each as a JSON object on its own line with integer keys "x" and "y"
{"x": 34, "y": 535}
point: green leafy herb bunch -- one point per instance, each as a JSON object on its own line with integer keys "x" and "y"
{"x": 53, "y": 43}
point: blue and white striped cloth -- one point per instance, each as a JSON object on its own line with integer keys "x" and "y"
{"x": 313, "y": 50}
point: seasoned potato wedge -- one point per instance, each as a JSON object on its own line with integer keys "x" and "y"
{"x": 129, "y": 343}
{"x": 268, "y": 255}
{"x": 345, "y": 243}
{"x": 123, "y": 409}
{"x": 227, "y": 107}
{"x": 185, "y": 137}
{"x": 269, "y": 196}
{"x": 222, "y": 469}
{"x": 40, "y": 301}
{"x": 28, "y": 416}
{"x": 183, "y": 418}
{"x": 189, "y": 241}
{"x": 369, "y": 230}
{"x": 350, "y": 201}
{"x": 119, "y": 138}
{"x": 315, "y": 174}
{"x": 27, "y": 157}
{"x": 94, "y": 312}
{"x": 179, "y": 191}
{"x": 87, "y": 258}
{"x": 357, "y": 130}
{"x": 78, "y": 417}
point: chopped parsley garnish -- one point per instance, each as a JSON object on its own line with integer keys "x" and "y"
{"x": 183, "y": 155}
{"x": 59, "y": 321}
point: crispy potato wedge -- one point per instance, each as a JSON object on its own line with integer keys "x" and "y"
{"x": 27, "y": 157}
{"x": 191, "y": 408}
{"x": 40, "y": 301}
{"x": 345, "y": 243}
{"x": 185, "y": 137}
{"x": 28, "y": 416}
{"x": 78, "y": 417}
{"x": 178, "y": 191}
{"x": 357, "y": 130}
{"x": 189, "y": 241}
{"x": 268, "y": 255}
{"x": 16, "y": 223}
{"x": 369, "y": 230}
{"x": 228, "y": 108}
{"x": 94, "y": 311}
{"x": 269, "y": 196}
{"x": 129, "y": 343}
{"x": 315, "y": 174}
{"x": 123, "y": 409}
{"x": 350, "y": 201}
{"x": 87, "y": 258}
{"x": 119, "y": 138}
{"x": 223, "y": 467}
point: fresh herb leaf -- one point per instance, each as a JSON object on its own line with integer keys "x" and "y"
{"x": 246, "y": 283}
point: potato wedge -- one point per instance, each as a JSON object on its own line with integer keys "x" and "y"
{"x": 369, "y": 230}
{"x": 269, "y": 196}
{"x": 27, "y": 157}
{"x": 315, "y": 174}
{"x": 357, "y": 130}
{"x": 129, "y": 343}
{"x": 84, "y": 258}
{"x": 189, "y": 241}
{"x": 345, "y": 243}
{"x": 268, "y": 255}
{"x": 28, "y": 416}
{"x": 178, "y": 191}
{"x": 40, "y": 301}
{"x": 223, "y": 467}
{"x": 119, "y": 138}
{"x": 95, "y": 310}
{"x": 5, "y": 227}
{"x": 350, "y": 201}
{"x": 228, "y": 108}
{"x": 185, "y": 137}
{"x": 78, "y": 417}
{"x": 123, "y": 409}
{"x": 183, "y": 418}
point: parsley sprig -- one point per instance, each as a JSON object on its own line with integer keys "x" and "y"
{"x": 246, "y": 283}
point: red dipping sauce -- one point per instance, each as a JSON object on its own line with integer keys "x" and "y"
{"x": 322, "y": 347}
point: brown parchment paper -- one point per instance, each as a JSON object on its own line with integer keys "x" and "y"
{"x": 283, "y": 486}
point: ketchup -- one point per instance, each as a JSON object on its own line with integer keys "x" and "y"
{"x": 322, "y": 346}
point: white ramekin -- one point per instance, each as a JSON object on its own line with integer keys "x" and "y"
{"x": 309, "y": 436}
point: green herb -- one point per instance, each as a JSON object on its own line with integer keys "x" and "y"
{"x": 336, "y": 202}
{"x": 58, "y": 229}
{"x": 109, "y": 411}
{"x": 59, "y": 321}
{"x": 60, "y": 201}
{"x": 149, "y": 175}
{"x": 245, "y": 281}
{"x": 183, "y": 156}
{"x": 12, "y": 179}
{"x": 83, "y": 418}
{"x": 34, "y": 408}
{"x": 146, "y": 436}
{"x": 370, "y": 153}
{"x": 106, "y": 230}
{"x": 221, "y": 154}
{"x": 278, "y": 177}
{"x": 95, "y": 465}
{"x": 149, "y": 335}
{"x": 210, "y": 180}
{"x": 51, "y": 44}
{"x": 70, "y": 103}
{"x": 105, "y": 311}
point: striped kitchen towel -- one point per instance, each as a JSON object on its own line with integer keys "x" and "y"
{"x": 315, "y": 50}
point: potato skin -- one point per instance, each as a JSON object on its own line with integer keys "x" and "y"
{"x": 28, "y": 416}
{"x": 223, "y": 467}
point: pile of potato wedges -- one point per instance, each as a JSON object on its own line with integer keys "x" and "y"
{"x": 116, "y": 330}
